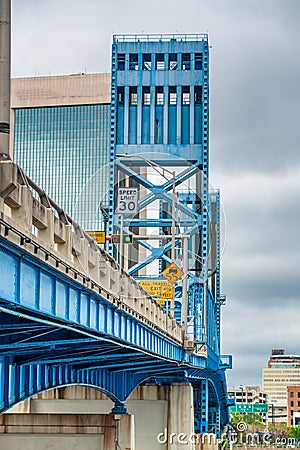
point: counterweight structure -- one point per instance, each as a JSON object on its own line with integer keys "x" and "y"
{"x": 160, "y": 119}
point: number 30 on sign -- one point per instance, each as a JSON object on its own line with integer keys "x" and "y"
{"x": 127, "y": 201}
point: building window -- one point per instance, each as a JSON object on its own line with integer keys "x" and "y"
{"x": 185, "y": 95}
{"x": 133, "y": 95}
{"x": 133, "y": 61}
{"x": 159, "y": 95}
{"x": 146, "y": 61}
{"x": 121, "y": 61}
{"x": 173, "y": 65}
{"x": 292, "y": 394}
{"x": 292, "y": 403}
{"x": 160, "y": 61}
{"x": 146, "y": 95}
{"x": 198, "y": 61}
{"x": 172, "y": 95}
{"x": 186, "y": 61}
{"x": 198, "y": 95}
{"x": 299, "y": 394}
{"x": 298, "y": 404}
{"x": 120, "y": 95}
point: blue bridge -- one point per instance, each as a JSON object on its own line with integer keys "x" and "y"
{"x": 70, "y": 315}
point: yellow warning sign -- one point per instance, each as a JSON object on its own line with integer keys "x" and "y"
{"x": 172, "y": 273}
{"x": 98, "y": 236}
{"x": 161, "y": 302}
{"x": 158, "y": 288}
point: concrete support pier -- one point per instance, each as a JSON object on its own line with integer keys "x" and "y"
{"x": 181, "y": 417}
{"x": 71, "y": 431}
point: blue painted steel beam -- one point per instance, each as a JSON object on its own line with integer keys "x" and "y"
{"x": 134, "y": 175}
{"x": 29, "y": 345}
{"x": 157, "y": 222}
{"x": 87, "y": 358}
{"x": 181, "y": 177}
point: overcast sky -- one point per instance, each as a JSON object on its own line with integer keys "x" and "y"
{"x": 254, "y": 138}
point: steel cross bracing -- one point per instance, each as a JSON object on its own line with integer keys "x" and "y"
{"x": 211, "y": 333}
{"x": 55, "y": 331}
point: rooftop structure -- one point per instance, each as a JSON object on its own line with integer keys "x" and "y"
{"x": 283, "y": 371}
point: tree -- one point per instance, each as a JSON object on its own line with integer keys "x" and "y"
{"x": 294, "y": 432}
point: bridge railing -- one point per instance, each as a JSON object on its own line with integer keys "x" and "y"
{"x": 50, "y": 233}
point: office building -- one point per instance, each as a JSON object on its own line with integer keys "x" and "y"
{"x": 293, "y": 405}
{"x": 282, "y": 371}
{"x": 61, "y": 140}
{"x": 246, "y": 396}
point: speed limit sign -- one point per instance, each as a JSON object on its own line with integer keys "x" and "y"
{"x": 127, "y": 201}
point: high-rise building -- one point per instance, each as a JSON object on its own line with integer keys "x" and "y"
{"x": 282, "y": 371}
{"x": 61, "y": 139}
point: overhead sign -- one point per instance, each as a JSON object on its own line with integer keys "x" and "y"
{"x": 158, "y": 288}
{"x": 127, "y": 202}
{"x": 172, "y": 273}
{"x": 98, "y": 236}
{"x": 249, "y": 408}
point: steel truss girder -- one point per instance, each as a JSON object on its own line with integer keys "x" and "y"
{"x": 159, "y": 191}
{"x": 95, "y": 318}
{"x": 86, "y": 309}
{"x": 88, "y": 359}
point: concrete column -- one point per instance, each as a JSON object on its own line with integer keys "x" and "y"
{"x": 1, "y": 205}
{"x": 180, "y": 417}
{"x": 23, "y": 214}
{"x": 47, "y": 234}
{"x": 125, "y": 434}
{"x": 65, "y": 248}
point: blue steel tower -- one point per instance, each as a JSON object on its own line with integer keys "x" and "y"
{"x": 160, "y": 116}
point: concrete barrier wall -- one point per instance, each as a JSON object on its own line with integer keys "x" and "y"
{"x": 44, "y": 223}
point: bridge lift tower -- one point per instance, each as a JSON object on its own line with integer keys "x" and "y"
{"x": 160, "y": 145}
{"x": 160, "y": 121}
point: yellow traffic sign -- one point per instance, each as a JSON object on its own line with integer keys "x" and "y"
{"x": 172, "y": 273}
{"x": 98, "y": 236}
{"x": 158, "y": 288}
{"x": 161, "y": 302}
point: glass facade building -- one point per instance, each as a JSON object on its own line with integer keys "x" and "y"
{"x": 64, "y": 150}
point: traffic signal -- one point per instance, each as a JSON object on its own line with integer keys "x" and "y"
{"x": 116, "y": 238}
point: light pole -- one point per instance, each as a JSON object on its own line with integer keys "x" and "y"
{"x": 242, "y": 389}
{"x": 5, "y": 18}
{"x": 161, "y": 170}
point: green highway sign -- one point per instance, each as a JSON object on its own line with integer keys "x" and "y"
{"x": 249, "y": 408}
